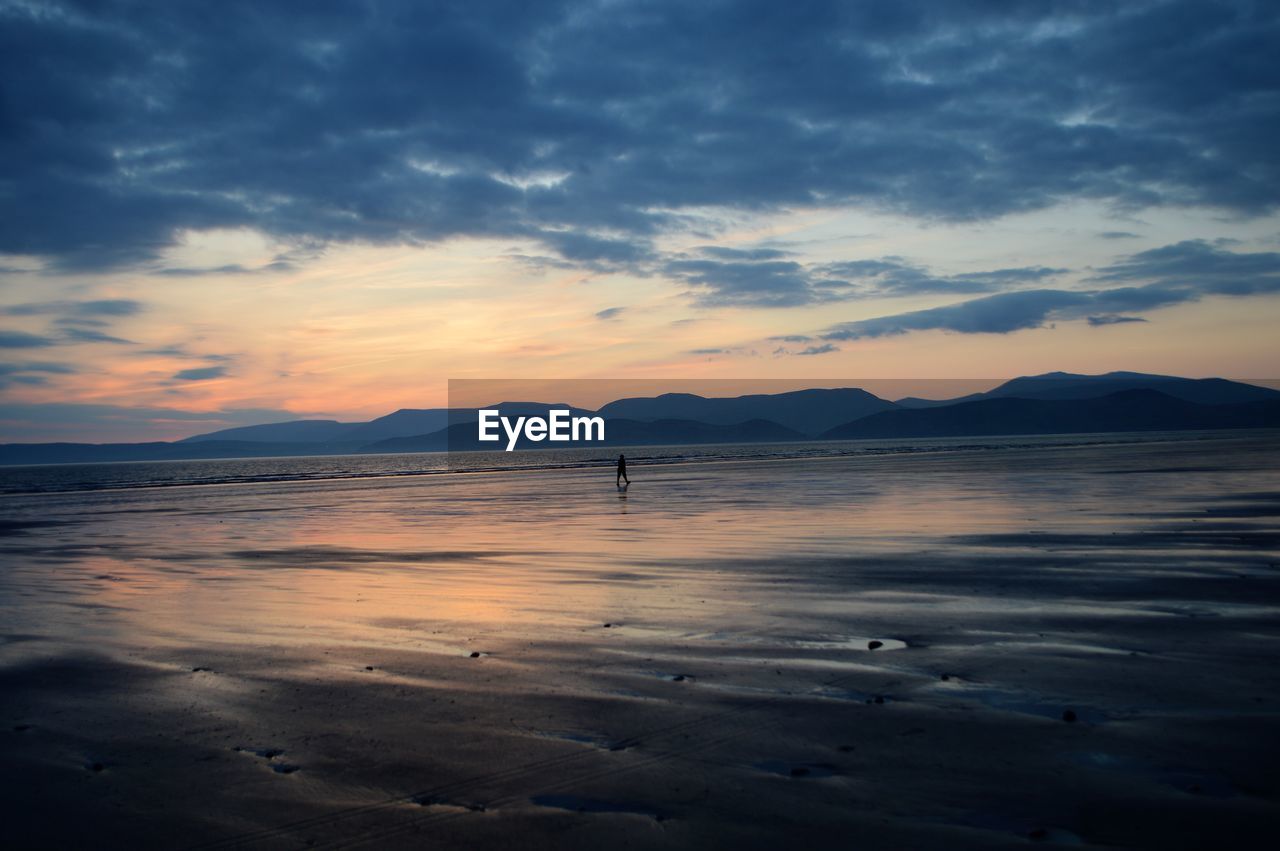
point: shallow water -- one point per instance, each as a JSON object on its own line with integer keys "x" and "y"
{"x": 510, "y": 645}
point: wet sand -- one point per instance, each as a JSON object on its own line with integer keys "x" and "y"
{"x": 537, "y": 660}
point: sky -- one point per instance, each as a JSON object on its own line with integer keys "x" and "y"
{"x": 222, "y": 214}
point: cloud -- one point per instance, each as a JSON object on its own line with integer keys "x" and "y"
{"x": 600, "y": 252}
{"x": 100, "y": 307}
{"x": 823, "y": 349}
{"x": 759, "y": 283}
{"x": 893, "y": 276}
{"x": 23, "y": 340}
{"x": 227, "y": 269}
{"x": 32, "y": 373}
{"x": 74, "y": 322}
{"x": 708, "y": 351}
{"x": 610, "y": 313}
{"x": 1175, "y": 274}
{"x": 758, "y": 278}
{"x": 1200, "y": 266}
{"x": 177, "y": 351}
{"x": 1118, "y": 234}
{"x": 1098, "y": 321}
{"x": 39, "y": 366}
{"x": 594, "y": 129}
{"x": 88, "y": 335}
{"x": 994, "y": 314}
{"x": 200, "y": 373}
{"x": 743, "y": 254}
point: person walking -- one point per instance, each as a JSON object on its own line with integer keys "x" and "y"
{"x": 622, "y": 471}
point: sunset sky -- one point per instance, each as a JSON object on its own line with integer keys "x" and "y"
{"x": 242, "y": 212}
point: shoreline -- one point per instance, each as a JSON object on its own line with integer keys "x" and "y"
{"x": 975, "y": 444}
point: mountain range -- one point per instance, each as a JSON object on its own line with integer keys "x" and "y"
{"x": 1054, "y": 403}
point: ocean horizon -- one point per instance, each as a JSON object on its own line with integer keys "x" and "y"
{"x": 99, "y": 475}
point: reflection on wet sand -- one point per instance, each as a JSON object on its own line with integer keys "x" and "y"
{"x": 915, "y": 651}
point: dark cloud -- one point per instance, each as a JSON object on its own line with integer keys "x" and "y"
{"x": 228, "y": 269}
{"x": 34, "y": 374}
{"x": 1098, "y": 321}
{"x": 610, "y": 313}
{"x": 23, "y": 340}
{"x": 894, "y": 276}
{"x": 37, "y": 366}
{"x": 595, "y": 128}
{"x": 994, "y": 314}
{"x": 1175, "y": 274}
{"x": 708, "y": 351}
{"x": 818, "y": 350}
{"x": 177, "y": 351}
{"x": 745, "y": 278}
{"x": 73, "y": 322}
{"x": 763, "y": 283}
{"x": 720, "y": 252}
{"x": 101, "y": 307}
{"x": 88, "y": 335}
{"x": 600, "y": 252}
{"x": 1119, "y": 234}
{"x": 1200, "y": 266}
{"x": 200, "y": 373}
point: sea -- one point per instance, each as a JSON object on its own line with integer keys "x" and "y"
{"x": 59, "y": 478}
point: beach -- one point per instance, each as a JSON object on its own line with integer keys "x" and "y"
{"x": 1069, "y": 644}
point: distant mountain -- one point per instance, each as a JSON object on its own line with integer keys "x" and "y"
{"x": 1055, "y": 403}
{"x": 809, "y": 412}
{"x": 462, "y": 437}
{"x": 402, "y": 423}
{"x": 1127, "y": 410}
{"x": 297, "y": 431}
{"x": 913, "y": 402}
{"x": 407, "y": 421}
{"x": 1066, "y": 385}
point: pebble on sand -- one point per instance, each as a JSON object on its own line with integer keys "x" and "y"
{"x": 1069, "y": 715}
{"x": 874, "y": 645}
{"x": 475, "y": 654}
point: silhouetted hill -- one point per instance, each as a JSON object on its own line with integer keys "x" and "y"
{"x": 1066, "y": 385}
{"x": 295, "y": 431}
{"x": 406, "y": 421}
{"x": 914, "y": 402}
{"x": 402, "y": 423}
{"x": 1084, "y": 406}
{"x": 1128, "y": 410}
{"x": 806, "y": 411}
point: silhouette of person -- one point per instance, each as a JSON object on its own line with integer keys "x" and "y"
{"x": 622, "y": 471}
